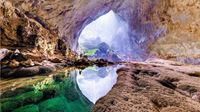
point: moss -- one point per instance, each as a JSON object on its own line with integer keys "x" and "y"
{"x": 44, "y": 84}
{"x": 90, "y": 52}
{"x": 27, "y": 108}
{"x": 9, "y": 104}
{"x": 18, "y": 91}
{"x": 30, "y": 97}
{"x": 57, "y": 104}
{"x": 51, "y": 91}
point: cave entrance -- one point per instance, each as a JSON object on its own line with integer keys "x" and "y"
{"x": 108, "y": 37}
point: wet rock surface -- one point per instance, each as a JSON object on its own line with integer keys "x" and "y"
{"x": 153, "y": 88}
{"x": 15, "y": 64}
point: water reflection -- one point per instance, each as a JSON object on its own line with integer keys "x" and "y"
{"x": 95, "y": 82}
{"x": 70, "y": 90}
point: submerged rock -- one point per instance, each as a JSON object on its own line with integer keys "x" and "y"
{"x": 9, "y": 104}
{"x": 27, "y": 108}
{"x": 58, "y": 104}
{"x": 18, "y": 91}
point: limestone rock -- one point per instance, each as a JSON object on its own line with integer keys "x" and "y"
{"x": 24, "y": 30}
{"x": 39, "y": 24}
{"x": 25, "y": 72}
{"x": 182, "y": 38}
{"x": 153, "y": 87}
{"x": 13, "y": 64}
{"x": 28, "y": 63}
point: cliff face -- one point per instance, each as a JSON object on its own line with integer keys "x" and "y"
{"x": 182, "y": 39}
{"x": 39, "y": 23}
{"x": 23, "y": 30}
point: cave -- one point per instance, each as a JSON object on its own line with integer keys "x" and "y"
{"x": 108, "y": 37}
{"x": 99, "y": 55}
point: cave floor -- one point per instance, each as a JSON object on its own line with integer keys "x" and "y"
{"x": 155, "y": 86}
{"x": 151, "y": 86}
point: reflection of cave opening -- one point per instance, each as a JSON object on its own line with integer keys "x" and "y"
{"x": 108, "y": 37}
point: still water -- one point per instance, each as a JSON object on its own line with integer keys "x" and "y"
{"x": 68, "y": 91}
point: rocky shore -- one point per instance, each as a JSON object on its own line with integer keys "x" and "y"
{"x": 15, "y": 64}
{"x": 155, "y": 86}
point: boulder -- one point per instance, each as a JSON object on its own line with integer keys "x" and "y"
{"x": 17, "y": 55}
{"x": 26, "y": 72}
{"x": 13, "y": 64}
{"x": 7, "y": 72}
{"x": 46, "y": 69}
{"x": 56, "y": 60}
{"x": 37, "y": 63}
{"x": 28, "y": 63}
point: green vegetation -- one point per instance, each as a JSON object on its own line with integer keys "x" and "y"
{"x": 90, "y": 52}
{"x": 57, "y": 104}
{"x": 28, "y": 108}
{"x": 9, "y": 104}
{"x": 48, "y": 82}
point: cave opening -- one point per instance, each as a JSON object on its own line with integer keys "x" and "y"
{"x": 108, "y": 37}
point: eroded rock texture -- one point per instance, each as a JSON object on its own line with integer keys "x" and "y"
{"x": 24, "y": 30}
{"x": 157, "y": 86}
{"x": 35, "y": 23}
{"x": 182, "y": 39}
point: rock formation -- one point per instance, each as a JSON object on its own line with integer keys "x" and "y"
{"x": 24, "y": 30}
{"x": 159, "y": 86}
{"x": 39, "y": 24}
{"x": 168, "y": 29}
{"x": 182, "y": 38}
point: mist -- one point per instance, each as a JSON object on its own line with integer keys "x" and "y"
{"x": 109, "y": 37}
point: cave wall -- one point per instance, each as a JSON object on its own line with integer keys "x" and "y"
{"x": 65, "y": 19}
{"x": 24, "y": 31}
{"x": 182, "y": 39}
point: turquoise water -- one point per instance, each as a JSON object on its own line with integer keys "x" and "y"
{"x": 67, "y": 91}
